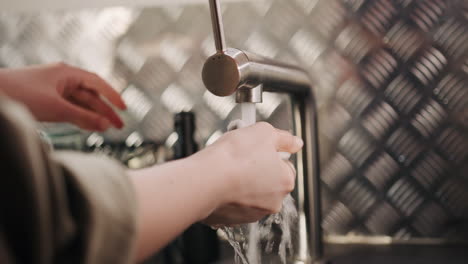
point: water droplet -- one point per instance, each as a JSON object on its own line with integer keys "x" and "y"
{"x": 401, "y": 158}
{"x": 277, "y": 219}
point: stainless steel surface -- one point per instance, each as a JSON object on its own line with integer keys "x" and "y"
{"x": 236, "y": 71}
{"x": 250, "y": 95}
{"x": 248, "y": 75}
{"x": 308, "y": 184}
{"x": 386, "y": 171}
{"x": 217, "y": 23}
{"x": 390, "y": 79}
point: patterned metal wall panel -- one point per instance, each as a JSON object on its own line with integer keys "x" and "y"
{"x": 391, "y": 81}
{"x": 391, "y": 167}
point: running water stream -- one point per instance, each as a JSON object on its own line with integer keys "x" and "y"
{"x": 251, "y": 241}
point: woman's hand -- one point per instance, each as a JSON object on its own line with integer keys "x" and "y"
{"x": 61, "y": 93}
{"x": 258, "y": 179}
{"x": 239, "y": 179}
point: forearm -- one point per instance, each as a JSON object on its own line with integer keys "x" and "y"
{"x": 171, "y": 197}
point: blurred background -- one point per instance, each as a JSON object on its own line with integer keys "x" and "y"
{"x": 390, "y": 79}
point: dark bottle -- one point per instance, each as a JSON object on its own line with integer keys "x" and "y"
{"x": 184, "y": 126}
{"x": 199, "y": 243}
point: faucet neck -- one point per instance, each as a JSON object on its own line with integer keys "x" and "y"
{"x": 249, "y": 95}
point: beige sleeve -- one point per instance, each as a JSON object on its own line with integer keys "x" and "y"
{"x": 60, "y": 207}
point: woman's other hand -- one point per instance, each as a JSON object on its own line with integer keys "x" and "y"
{"x": 62, "y": 93}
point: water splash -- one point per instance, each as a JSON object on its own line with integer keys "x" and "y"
{"x": 260, "y": 236}
{"x": 252, "y": 240}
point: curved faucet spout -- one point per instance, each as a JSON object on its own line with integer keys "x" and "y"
{"x": 232, "y": 71}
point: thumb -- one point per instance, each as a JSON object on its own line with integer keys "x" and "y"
{"x": 84, "y": 118}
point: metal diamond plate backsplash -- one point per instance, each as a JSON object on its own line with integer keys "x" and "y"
{"x": 391, "y": 81}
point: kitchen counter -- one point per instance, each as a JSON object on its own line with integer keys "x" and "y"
{"x": 401, "y": 254}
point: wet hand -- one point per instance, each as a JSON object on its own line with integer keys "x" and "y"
{"x": 257, "y": 179}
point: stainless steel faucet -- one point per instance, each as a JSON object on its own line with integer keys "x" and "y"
{"x": 231, "y": 71}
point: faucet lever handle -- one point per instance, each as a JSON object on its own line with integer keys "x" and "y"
{"x": 217, "y": 23}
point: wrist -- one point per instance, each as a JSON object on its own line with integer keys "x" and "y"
{"x": 217, "y": 175}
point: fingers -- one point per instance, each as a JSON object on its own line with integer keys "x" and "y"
{"x": 95, "y": 83}
{"x": 92, "y": 101}
{"x": 290, "y": 175}
{"x": 83, "y": 118}
{"x": 283, "y": 140}
{"x": 286, "y": 142}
